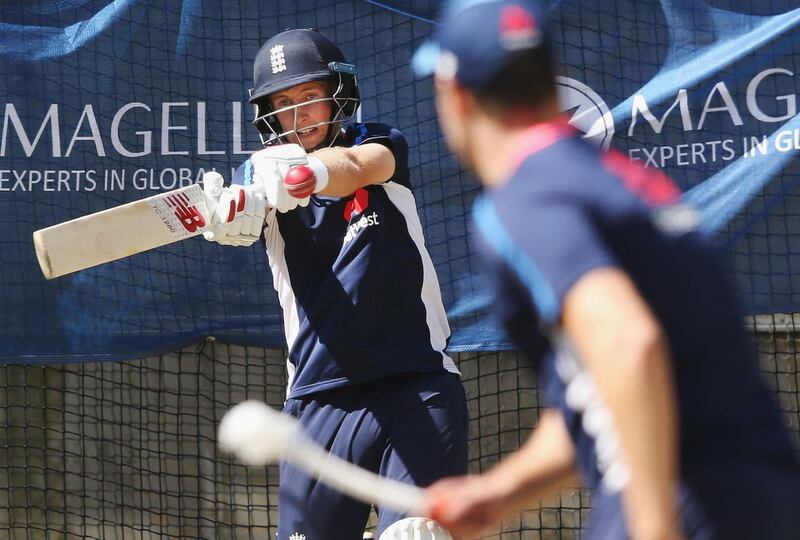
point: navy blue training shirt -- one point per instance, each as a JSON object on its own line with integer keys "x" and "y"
{"x": 358, "y": 289}
{"x": 568, "y": 209}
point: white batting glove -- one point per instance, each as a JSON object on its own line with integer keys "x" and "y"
{"x": 237, "y": 212}
{"x": 289, "y": 175}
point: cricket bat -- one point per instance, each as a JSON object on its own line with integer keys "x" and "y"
{"x": 127, "y": 229}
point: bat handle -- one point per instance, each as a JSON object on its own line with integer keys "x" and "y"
{"x": 212, "y": 186}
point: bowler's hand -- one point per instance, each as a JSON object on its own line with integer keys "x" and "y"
{"x": 465, "y": 505}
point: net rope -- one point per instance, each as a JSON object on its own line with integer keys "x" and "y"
{"x": 127, "y": 449}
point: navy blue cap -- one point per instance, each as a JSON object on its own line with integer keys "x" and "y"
{"x": 476, "y": 39}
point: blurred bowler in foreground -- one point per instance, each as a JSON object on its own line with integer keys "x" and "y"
{"x": 600, "y": 276}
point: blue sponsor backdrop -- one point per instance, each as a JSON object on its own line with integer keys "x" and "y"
{"x": 106, "y": 102}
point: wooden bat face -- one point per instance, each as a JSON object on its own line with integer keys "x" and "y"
{"x": 121, "y": 231}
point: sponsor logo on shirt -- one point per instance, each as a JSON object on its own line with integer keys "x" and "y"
{"x": 354, "y": 228}
{"x": 358, "y": 205}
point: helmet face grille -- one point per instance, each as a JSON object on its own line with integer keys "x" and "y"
{"x": 295, "y": 57}
{"x": 345, "y": 100}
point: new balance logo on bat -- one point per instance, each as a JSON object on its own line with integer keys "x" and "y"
{"x": 189, "y": 216}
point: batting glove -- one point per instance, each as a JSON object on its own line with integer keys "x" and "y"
{"x": 237, "y": 212}
{"x": 289, "y": 175}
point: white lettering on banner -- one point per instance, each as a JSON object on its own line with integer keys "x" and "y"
{"x": 237, "y": 130}
{"x": 114, "y": 180}
{"x": 147, "y": 136}
{"x": 719, "y": 100}
{"x": 785, "y": 141}
{"x": 685, "y": 154}
{"x": 98, "y": 180}
{"x": 166, "y": 128}
{"x": 752, "y": 93}
{"x": 165, "y": 180}
{"x": 88, "y": 114}
{"x": 17, "y": 129}
{"x": 729, "y": 106}
{"x": 640, "y": 106}
{"x": 47, "y": 180}
{"x": 201, "y": 132}
{"x": 131, "y": 132}
{"x": 51, "y": 118}
{"x": 590, "y": 114}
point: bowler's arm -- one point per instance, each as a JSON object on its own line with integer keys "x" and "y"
{"x": 627, "y": 354}
{"x": 468, "y": 505}
{"x": 542, "y": 466}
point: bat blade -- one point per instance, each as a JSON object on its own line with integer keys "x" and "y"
{"x": 121, "y": 231}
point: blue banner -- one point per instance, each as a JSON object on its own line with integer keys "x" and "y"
{"x": 105, "y": 102}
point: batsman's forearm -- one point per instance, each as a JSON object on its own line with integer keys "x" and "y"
{"x": 352, "y": 168}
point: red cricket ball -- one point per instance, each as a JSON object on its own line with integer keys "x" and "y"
{"x": 300, "y": 181}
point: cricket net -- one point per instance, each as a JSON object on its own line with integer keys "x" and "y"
{"x": 126, "y": 450}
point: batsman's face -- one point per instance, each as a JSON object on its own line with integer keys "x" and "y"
{"x": 306, "y": 110}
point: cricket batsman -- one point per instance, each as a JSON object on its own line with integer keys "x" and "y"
{"x": 369, "y": 378}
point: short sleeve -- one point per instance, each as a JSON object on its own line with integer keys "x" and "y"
{"x": 389, "y": 137}
{"x": 547, "y": 247}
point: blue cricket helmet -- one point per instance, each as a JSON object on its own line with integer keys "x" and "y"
{"x": 295, "y": 57}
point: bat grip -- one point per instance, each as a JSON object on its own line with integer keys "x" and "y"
{"x": 212, "y": 184}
